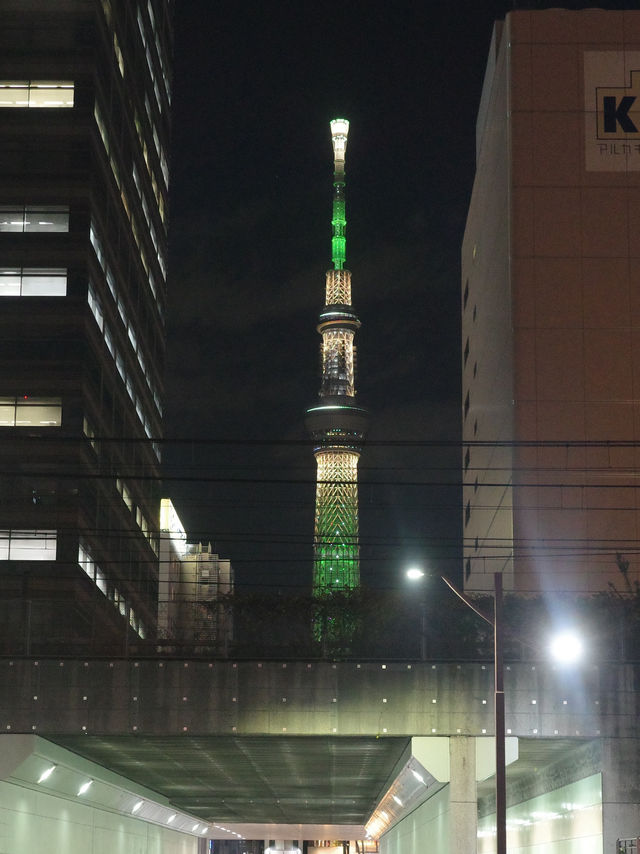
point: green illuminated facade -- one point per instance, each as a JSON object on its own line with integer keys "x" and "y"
{"x": 336, "y": 423}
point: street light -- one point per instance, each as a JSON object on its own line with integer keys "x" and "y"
{"x": 498, "y": 681}
{"x": 414, "y": 573}
{"x": 566, "y": 647}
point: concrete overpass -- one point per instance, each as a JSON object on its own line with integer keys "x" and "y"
{"x": 310, "y": 750}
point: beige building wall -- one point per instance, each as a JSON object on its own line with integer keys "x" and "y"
{"x": 551, "y": 305}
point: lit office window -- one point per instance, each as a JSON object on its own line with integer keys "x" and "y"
{"x": 97, "y": 311}
{"x": 96, "y": 307}
{"x": 30, "y": 411}
{"x": 36, "y": 93}
{"x": 34, "y": 218}
{"x": 28, "y": 545}
{"x": 118, "y": 53}
{"x": 89, "y": 431}
{"x": 86, "y": 561}
{"x": 100, "y": 579}
{"x": 124, "y": 491}
{"x": 33, "y": 282}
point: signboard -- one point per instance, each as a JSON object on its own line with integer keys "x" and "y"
{"x": 612, "y": 110}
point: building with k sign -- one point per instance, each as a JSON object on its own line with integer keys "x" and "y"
{"x": 551, "y": 307}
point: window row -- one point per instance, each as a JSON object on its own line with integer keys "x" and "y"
{"x": 36, "y": 93}
{"x": 145, "y": 155}
{"x": 147, "y": 104}
{"x": 141, "y": 520}
{"x": 147, "y": 51}
{"x": 33, "y": 282}
{"x": 101, "y": 581}
{"x": 30, "y": 411}
{"x": 159, "y": 51}
{"x": 34, "y": 218}
{"x": 96, "y": 308}
{"x": 148, "y": 219}
{"x": 130, "y": 216}
{"x": 28, "y": 545}
{"x": 108, "y": 14}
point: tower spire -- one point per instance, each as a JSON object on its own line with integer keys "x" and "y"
{"x": 336, "y": 424}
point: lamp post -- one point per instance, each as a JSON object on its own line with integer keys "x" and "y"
{"x": 498, "y": 679}
{"x": 498, "y": 704}
{"x": 565, "y": 647}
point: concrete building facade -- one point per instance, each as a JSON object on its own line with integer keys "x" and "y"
{"x": 84, "y": 133}
{"x": 551, "y": 307}
{"x": 192, "y": 580}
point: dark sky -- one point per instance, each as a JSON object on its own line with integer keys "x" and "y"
{"x": 256, "y": 83}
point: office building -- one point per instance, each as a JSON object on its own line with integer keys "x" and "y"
{"x": 551, "y": 307}
{"x": 193, "y": 581}
{"x": 84, "y": 134}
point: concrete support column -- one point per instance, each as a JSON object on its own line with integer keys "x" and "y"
{"x": 620, "y": 790}
{"x": 463, "y": 818}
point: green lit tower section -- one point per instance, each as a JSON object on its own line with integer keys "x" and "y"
{"x": 336, "y": 424}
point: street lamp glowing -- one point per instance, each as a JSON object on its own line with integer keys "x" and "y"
{"x": 415, "y": 573}
{"x": 566, "y": 648}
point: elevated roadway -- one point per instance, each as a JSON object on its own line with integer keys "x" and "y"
{"x": 306, "y": 749}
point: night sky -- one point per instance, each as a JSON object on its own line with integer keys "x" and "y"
{"x": 256, "y": 83}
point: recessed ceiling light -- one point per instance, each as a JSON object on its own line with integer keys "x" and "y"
{"x": 46, "y": 774}
{"x": 83, "y": 788}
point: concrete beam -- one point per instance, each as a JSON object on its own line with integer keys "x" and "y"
{"x": 312, "y": 698}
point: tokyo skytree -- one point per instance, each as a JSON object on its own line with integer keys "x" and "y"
{"x": 336, "y": 423}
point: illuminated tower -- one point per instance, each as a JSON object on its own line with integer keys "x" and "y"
{"x": 336, "y": 424}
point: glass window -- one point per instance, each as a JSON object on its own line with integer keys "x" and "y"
{"x": 28, "y": 545}
{"x": 95, "y": 306}
{"x": 11, "y": 218}
{"x": 89, "y": 431}
{"x": 51, "y": 218}
{"x": 85, "y": 560}
{"x": 108, "y": 341}
{"x": 118, "y": 53}
{"x": 33, "y": 282}
{"x": 10, "y": 283}
{"x": 30, "y": 412}
{"x": 101, "y": 581}
{"x": 44, "y": 282}
{"x": 36, "y": 93}
{"x": 34, "y": 218}
{"x": 38, "y": 413}
{"x": 44, "y": 93}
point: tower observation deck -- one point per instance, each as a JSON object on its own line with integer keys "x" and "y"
{"x": 336, "y": 423}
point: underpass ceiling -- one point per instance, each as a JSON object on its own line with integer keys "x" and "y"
{"x": 259, "y": 779}
{"x": 284, "y": 780}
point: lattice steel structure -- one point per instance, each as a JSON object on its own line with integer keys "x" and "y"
{"x": 336, "y": 423}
